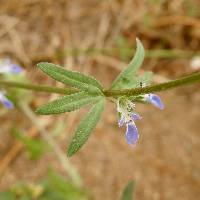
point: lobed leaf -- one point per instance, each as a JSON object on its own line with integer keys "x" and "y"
{"x": 67, "y": 103}
{"x": 74, "y": 79}
{"x": 127, "y": 75}
{"x": 86, "y": 126}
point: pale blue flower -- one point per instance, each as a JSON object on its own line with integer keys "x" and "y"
{"x": 155, "y": 100}
{"x": 131, "y": 129}
{"x": 5, "y": 101}
{"x": 135, "y": 116}
{"x": 128, "y": 116}
{"x": 132, "y": 135}
{"x": 6, "y": 66}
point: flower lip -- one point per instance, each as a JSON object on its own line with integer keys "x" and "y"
{"x": 132, "y": 135}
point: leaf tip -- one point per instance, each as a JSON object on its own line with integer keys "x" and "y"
{"x": 138, "y": 42}
{"x": 41, "y": 64}
{"x": 38, "y": 111}
{"x": 137, "y": 39}
{"x": 139, "y": 46}
{"x": 70, "y": 152}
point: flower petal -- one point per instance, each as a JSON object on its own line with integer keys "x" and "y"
{"x": 135, "y": 116}
{"x": 131, "y": 134}
{"x": 6, "y": 102}
{"x": 121, "y": 121}
{"x": 156, "y": 101}
{"x": 6, "y": 66}
{"x": 15, "y": 69}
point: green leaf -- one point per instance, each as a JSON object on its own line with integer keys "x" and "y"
{"x": 124, "y": 48}
{"x": 67, "y": 103}
{"x": 74, "y": 79}
{"x": 127, "y": 75}
{"x": 145, "y": 79}
{"x": 87, "y": 124}
{"x": 128, "y": 192}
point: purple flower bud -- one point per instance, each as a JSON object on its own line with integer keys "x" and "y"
{"x": 155, "y": 100}
{"x": 6, "y": 102}
{"x": 132, "y": 135}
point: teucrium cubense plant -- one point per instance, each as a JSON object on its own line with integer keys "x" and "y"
{"x": 84, "y": 90}
{"x": 91, "y": 92}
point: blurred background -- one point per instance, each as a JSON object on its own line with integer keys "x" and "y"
{"x": 98, "y": 38}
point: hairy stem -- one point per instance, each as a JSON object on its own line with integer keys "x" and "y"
{"x": 154, "y": 88}
{"x": 194, "y": 78}
{"x": 38, "y": 88}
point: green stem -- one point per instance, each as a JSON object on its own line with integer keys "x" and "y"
{"x": 109, "y": 93}
{"x": 154, "y": 88}
{"x": 38, "y": 88}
